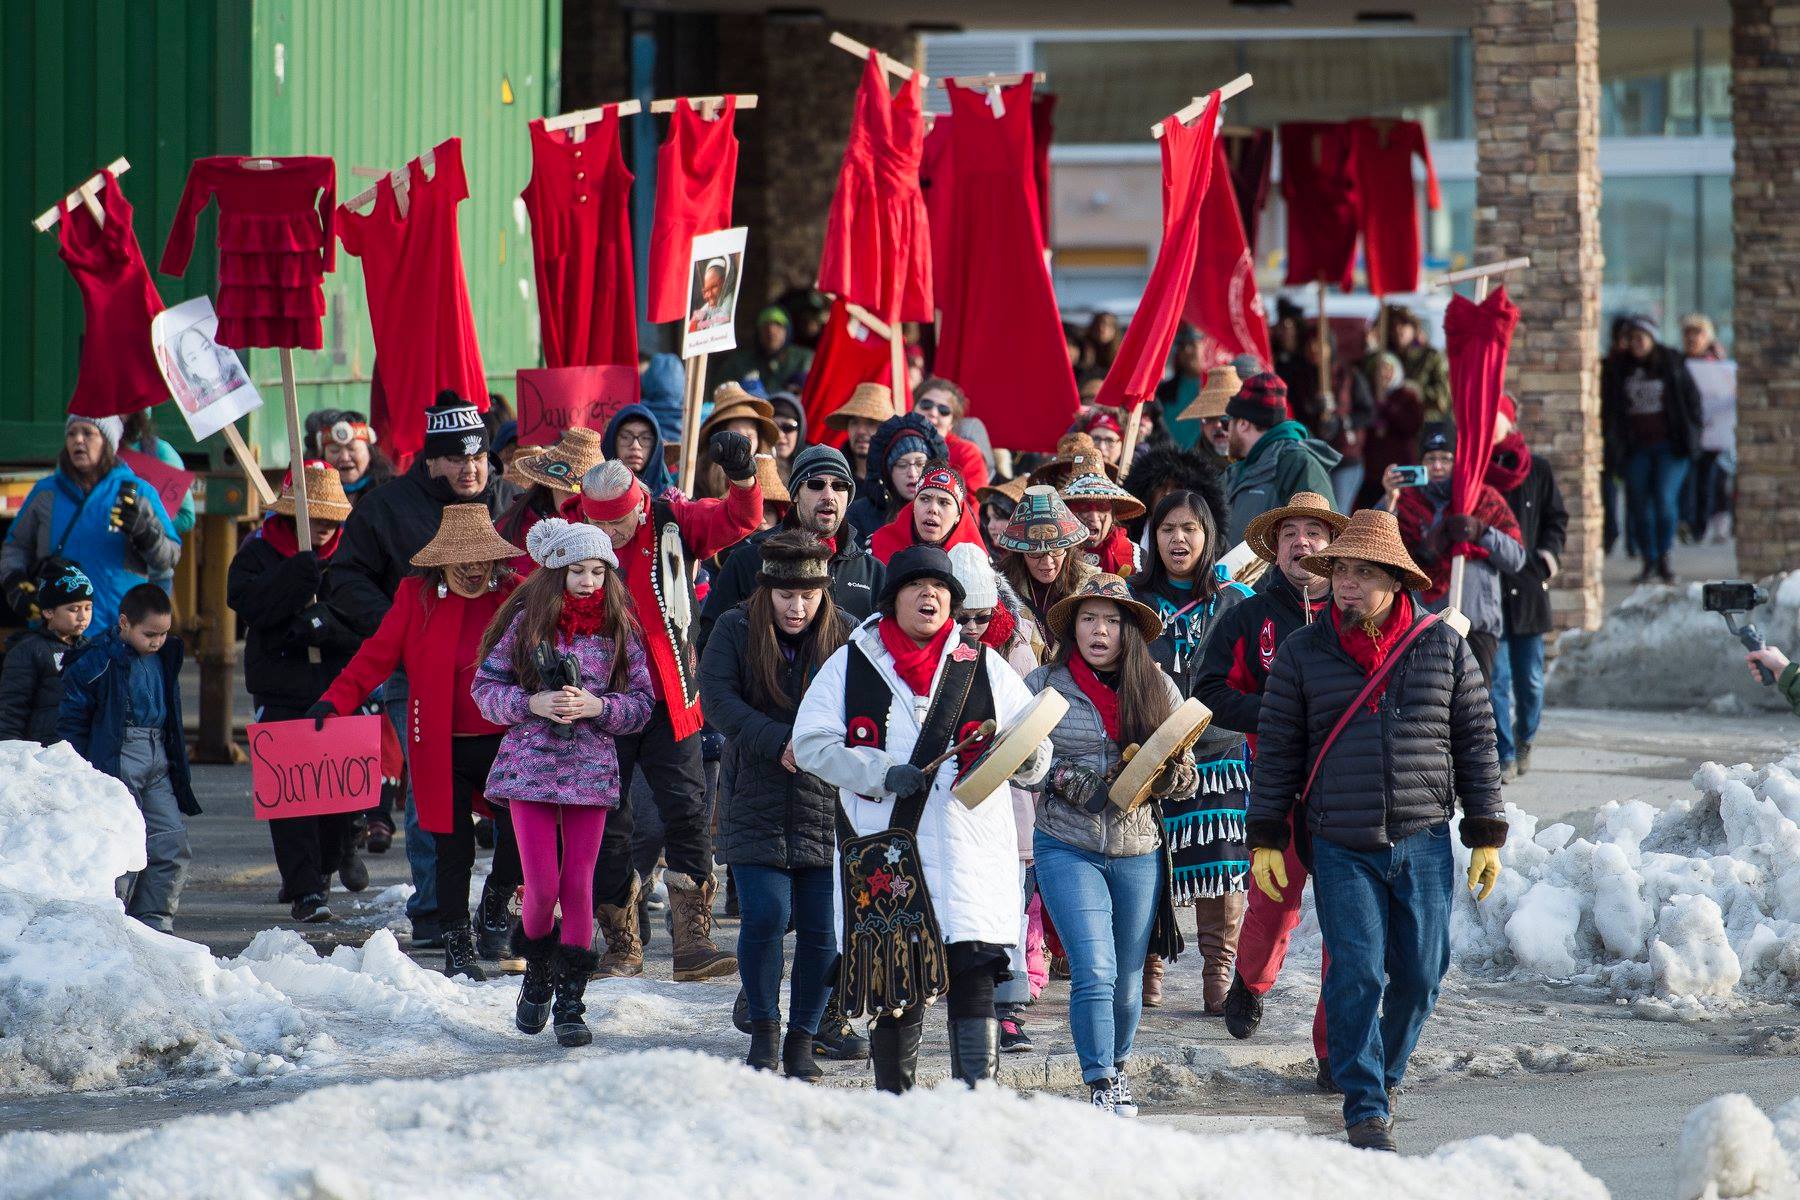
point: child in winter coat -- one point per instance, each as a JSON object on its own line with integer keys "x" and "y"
{"x": 557, "y": 770}
{"x": 31, "y": 685}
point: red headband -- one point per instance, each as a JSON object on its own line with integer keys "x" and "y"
{"x": 1104, "y": 420}
{"x": 945, "y": 479}
{"x": 614, "y": 509}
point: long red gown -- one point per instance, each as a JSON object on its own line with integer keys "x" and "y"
{"x": 579, "y": 200}
{"x": 905, "y": 223}
{"x": 937, "y": 172}
{"x": 1320, "y": 193}
{"x": 852, "y": 265}
{"x": 1001, "y": 336}
{"x": 118, "y": 372}
{"x": 1387, "y": 201}
{"x": 696, "y": 173}
{"x": 1222, "y": 299}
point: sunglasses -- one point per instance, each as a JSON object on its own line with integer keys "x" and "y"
{"x": 932, "y": 408}
{"x": 975, "y": 618}
{"x": 819, "y": 485}
{"x": 787, "y": 425}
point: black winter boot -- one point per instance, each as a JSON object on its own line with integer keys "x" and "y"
{"x": 572, "y": 967}
{"x": 975, "y": 1049}
{"x": 765, "y": 1040}
{"x": 837, "y": 1038}
{"x": 1243, "y": 1009}
{"x": 538, "y": 984}
{"x": 740, "y": 1012}
{"x": 797, "y": 1056}
{"x": 894, "y": 1050}
{"x": 459, "y": 954}
{"x": 493, "y": 925}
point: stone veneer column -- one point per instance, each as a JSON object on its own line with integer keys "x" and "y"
{"x": 1537, "y": 193}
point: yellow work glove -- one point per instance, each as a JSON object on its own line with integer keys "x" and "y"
{"x": 1484, "y": 871}
{"x": 1269, "y": 869}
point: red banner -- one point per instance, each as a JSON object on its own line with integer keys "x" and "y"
{"x": 297, "y": 771}
{"x": 552, "y": 399}
{"x": 171, "y": 483}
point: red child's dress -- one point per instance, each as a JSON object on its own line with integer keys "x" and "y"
{"x": 118, "y": 372}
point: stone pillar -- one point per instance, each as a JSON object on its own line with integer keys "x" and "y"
{"x": 1537, "y": 193}
{"x": 1765, "y": 102}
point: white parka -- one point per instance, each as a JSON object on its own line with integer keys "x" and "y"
{"x": 970, "y": 855}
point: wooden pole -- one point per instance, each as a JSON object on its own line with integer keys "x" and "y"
{"x": 252, "y": 473}
{"x": 897, "y": 349}
{"x": 290, "y": 403}
{"x": 1132, "y": 421}
{"x": 1322, "y": 335}
{"x": 694, "y": 391}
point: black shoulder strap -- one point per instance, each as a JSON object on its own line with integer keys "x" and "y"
{"x": 941, "y": 721}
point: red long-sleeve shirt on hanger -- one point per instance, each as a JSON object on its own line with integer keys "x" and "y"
{"x": 1387, "y": 200}
{"x": 696, "y": 173}
{"x": 1320, "y": 193}
{"x": 118, "y": 373}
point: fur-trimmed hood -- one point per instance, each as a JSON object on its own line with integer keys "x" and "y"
{"x": 1192, "y": 470}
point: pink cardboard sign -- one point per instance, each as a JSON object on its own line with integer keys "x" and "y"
{"x": 552, "y": 399}
{"x": 296, "y": 771}
{"x": 171, "y": 483}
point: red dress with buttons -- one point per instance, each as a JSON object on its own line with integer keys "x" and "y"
{"x": 696, "y": 173}
{"x": 118, "y": 372}
{"x": 579, "y": 200}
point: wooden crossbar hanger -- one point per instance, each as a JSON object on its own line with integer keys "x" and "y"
{"x": 983, "y": 82}
{"x": 399, "y": 175}
{"x": 82, "y": 195}
{"x": 1197, "y": 105}
{"x": 1481, "y": 272}
{"x": 708, "y": 106}
{"x": 888, "y": 62}
{"x": 588, "y": 116}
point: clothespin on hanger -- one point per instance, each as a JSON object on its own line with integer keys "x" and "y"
{"x": 991, "y": 84}
{"x": 581, "y": 119}
{"x": 1197, "y": 105}
{"x": 890, "y": 64}
{"x": 1482, "y": 275}
{"x": 708, "y": 107}
{"x": 85, "y": 194}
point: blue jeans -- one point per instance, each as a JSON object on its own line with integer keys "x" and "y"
{"x": 1518, "y": 676}
{"x": 767, "y": 898}
{"x": 1103, "y": 909}
{"x": 1385, "y": 915}
{"x": 1654, "y": 477}
{"x": 421, "y": 850}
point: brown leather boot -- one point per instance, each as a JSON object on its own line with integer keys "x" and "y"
{"x": 1219, "y": 921}
{"x": 1153, "y": 981}
{"x": 619, "y": 925}
{"x": 695, "y": 955}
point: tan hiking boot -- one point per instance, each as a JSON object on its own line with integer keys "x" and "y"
{"x": 1153, "y": 982}
{"x": 619, "y": 926}
{"x": 696, "y": 957}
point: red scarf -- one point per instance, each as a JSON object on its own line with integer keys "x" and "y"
{"x": 1371, "y": 652}
{"x": 1116, "y": 553}
{"x": 915, "y": 664}
{"x": 1000, "y": 629}
{"x": 284, "y": 536}
{"x": 1103, "y": 698}
{"x": 899, "y": 533}
{"x": 1510, "y": 463}
{"x": 581, "y": 616}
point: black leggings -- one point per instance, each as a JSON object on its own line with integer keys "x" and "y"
{"x": 975, "y": 968}
{"x": 470, "y": 760}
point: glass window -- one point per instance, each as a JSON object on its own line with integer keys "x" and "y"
{"x": 1716, "y": 282}
{"x": 1665, "y": 82}
{"x": 1110, "y": 92}
{"x": 1715, "y": 83}
{"x": 1648, "y": 228}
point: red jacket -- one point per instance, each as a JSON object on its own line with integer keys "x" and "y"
{"x": 966, "y": 457}
{"x": 420, "y": 634}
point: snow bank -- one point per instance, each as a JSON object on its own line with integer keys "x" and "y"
{"x": 1730, "y": 1151}
{"x": 1698, "y": 903}
{"x": 671, "y": 1123}
{"x": 1659, "y": 649}
{"x": 91, "y": 998}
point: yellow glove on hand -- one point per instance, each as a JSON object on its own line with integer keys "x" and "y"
{"x": 1484, "y": 871}
{"x": 1269, "y": 869}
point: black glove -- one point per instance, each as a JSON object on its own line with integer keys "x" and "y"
{"x": 903, "y": 779}
{"x": 734, "y": 454}
{"x": 135, "y": 518}
{"x": 316, "y": 625}
{"x": 1077, "y": 785}
{"x": 318, "y": 713}
{"x": 21, "y": 598}
{"x": 1464, "y": 529}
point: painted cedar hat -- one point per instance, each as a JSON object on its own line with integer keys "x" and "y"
{"x": 561, "y": 466}
{"x": 466, "y": 535}
{"x": 1104, "y": 587}
{"x": 325, "y": 498}
{"x": 1073, "y": 445}
{"x": 1086, "y": 484}
{"x": 1222, "y": 383}
{"x": 1373, "y": 536}
{"x": 870, "y": 401}
{"x": 1042, "y": 523}
{"x": 1260, "y": 534}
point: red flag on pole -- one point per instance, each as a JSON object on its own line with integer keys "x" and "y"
{"x": 1477, "y": 337}
{"x": 1222, "y": 300}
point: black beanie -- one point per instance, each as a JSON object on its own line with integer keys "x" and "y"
{"x": 62, "y": 583}
{"x": 453, "y": 427}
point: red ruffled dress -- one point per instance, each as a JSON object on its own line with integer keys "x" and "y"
{"x": 276, "y": 242}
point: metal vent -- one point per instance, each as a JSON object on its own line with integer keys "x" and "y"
{"x": 971, "y": 54}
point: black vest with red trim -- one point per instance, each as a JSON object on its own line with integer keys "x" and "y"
{"x": 868, "y": 699}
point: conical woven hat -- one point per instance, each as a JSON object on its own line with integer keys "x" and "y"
{"x": 768, "y": 477}
{"x": 1042, "y": 523}
{"x": 1012, "y": 491}
{"x": 1373, "y": 536}
{"x": 744, "y": 410}
{"x": 561, "y": 466}
{"x": 871, "y": 401}
{"x": 1071, "y": 446}
{"x": 732, "y": 393}
{"x": 1085, "y": 483}
{"x": 1105, "y": 587}
{"x": 1259, "y": 535}
{"x": 325, "y": 498}
{"x": 466, "y": 535}
{"x": 1222, "y": 383}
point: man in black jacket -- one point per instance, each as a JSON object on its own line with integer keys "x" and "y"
{"x": 1396, "y": 702}
{"x": 1530, "y": 489}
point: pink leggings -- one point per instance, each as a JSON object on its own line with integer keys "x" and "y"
{"x": 550, "y": 878}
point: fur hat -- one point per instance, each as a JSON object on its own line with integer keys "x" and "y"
{"x": 554, "y": 542}
{"x": 794, "y": 558}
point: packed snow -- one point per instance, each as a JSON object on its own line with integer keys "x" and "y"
{"x": 1681, "y": 910}
{"x": 90, "y": 998}
{"x": 1731, "y": 1151}
{"x": 675, "y": 1123}
{"x": 1660, "y": 650}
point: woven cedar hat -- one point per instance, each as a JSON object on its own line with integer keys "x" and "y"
{"x": 870, "y": 401}
{"x": 325, "y": 498}
{"x": 1260, "y": 534}
{"x": 1086, "y": 484}
{"x": 561, "y": 466}
{"x": 1104, "y": 587}
{"x": 466, "y": 535}
{"x": 749, "y": 408}
{"x": 768, "y": 478}
{"x": 1222, "y": 383}
{"x": 1373, "y": 536}
{"x": 1057, "y": 470}
{"x": 1012, "y": 491}
{"x": 1042, "y": 523}
{"x": 731, "y": 393}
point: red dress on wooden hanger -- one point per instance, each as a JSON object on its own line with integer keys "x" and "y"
{"x": 937, "y": 170}
{"x": 852, "y": 264}
{"x": 276, "y": 242}
{"x": 904, "y": 221}
{"x": 1388, "y": 201}
{"x": 696, "y": 172}
{"x": 579, "y": 199}
{"x": 1320, "y": 193}
{"x": 418, "y": 296}
{"x": 848, "y": 353}
{"x": 118, "y": 373}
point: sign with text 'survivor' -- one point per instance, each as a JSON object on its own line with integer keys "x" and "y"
{"x": 297, "y": 771}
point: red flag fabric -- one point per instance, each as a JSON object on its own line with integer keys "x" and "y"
{"x": 848, "y": 353}
{"x": 1001, "y": 335}
{"x": 906, "y": 227}
{"x": 1476, "y": 338}
{"x": 1187, "y": 166}
{"x": 1387, "y": 202}
{"x": 696, "y": 173}
{"x": 851, "y": 264}
{"x": 1320, "y": 193}
{"x": 1222, "y": 299}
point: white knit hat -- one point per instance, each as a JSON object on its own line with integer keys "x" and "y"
{"x": 554, "y": 542}
{"x": 111, "y": 428}
{"x": 969, "y": 562}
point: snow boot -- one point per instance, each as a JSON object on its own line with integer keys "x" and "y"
{"x": 493, "y": 924}
{"x": 459, "y": 954}
{"x": 837, "y": 1038}
{"x": 380, "y": 834}
{"x": 538, "y": 986}
{"x": 1324, "y": 1080}
{"x": 1013, "y": 1038}
{"x": 765, "y": 1037}
{"x": 571, "y": 969}
{"x": 894, "y": 1049}
{"x": 1153, "y": 981}
{"x": 1663, "y": 571}
{"x": 797, "y": 1056}
{"x": 1243, "y": 1009}
{"x": 310, "y": 908}
{"x": 1373, "y": 1133}
{"x": 740, "y": 1012}
{"x": 353, "y": 873}
{"x": 645, "y": 926}
{"x": 690, "y": 903}
{"x": 619, "y": 926}
{"x": 1217, "y": 923}
{"x": 975, "y": 1049}
{"x": 1523, "y": 761}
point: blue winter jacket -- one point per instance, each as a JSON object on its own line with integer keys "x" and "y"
{"x": 660, "y": 390}
{"x": 96, "y": 682}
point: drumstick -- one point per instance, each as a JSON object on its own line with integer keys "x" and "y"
{"x": 986, "y": 730}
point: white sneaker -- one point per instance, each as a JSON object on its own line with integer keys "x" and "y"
{"x": 1123, "y": 1102}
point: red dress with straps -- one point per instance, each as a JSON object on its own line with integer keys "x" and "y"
{"x": 579, "y": 200}
{"x": 853, "y": 263}
{"x": 118, "y": 373}
{"x": 696, "y": 173}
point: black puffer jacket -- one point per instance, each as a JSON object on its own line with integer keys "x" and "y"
{"x": 274, "y": 596}
{"x": 768, "y": 816}
{"x": 31, "y": 686}
{"x": 1392, "y": 773}
{"x": 856, "y": 577}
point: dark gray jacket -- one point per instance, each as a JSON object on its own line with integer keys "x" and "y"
{"x": 768, "y": 816}
{"x": 1392, "y": 773}
{"x": 31, "y": 686}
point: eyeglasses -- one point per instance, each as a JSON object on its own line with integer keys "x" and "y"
{"x": 646, "y": 440}
{"x": 930, "y": 408}
{"x": 975, "y": 618}
{"x": 787, "y": 425}
{"x": 819, "y": 485}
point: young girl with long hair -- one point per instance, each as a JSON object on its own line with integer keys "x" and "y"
{"x": 563, "y": 670}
